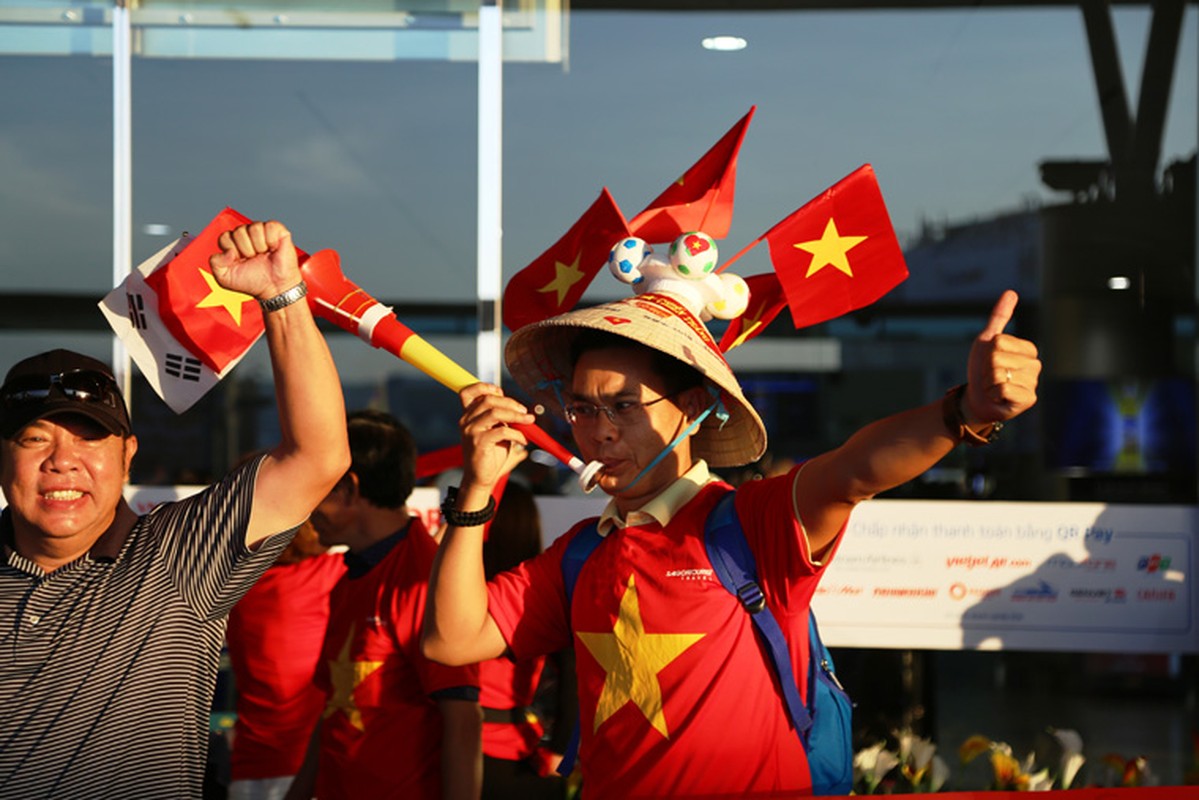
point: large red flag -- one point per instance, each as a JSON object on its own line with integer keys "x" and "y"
{"x": 702, "y": 199}
{"x": 766, "y": 300}
{"x": 553, "y": 283}
{"x": 838, "y": 253}
{"x": 215, "y": 325}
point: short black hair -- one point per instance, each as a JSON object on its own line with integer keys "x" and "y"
{"x": 383, "y": 456}
{"x": 678, "y": 376}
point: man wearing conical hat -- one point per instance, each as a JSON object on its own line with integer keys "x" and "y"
{"x": 675, "y": 696}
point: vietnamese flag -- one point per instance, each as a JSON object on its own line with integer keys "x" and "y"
{"x": 702, "y": 199}
{"x": 766, "y": 300}
{"x": 553, "y": 283}
{"x": 215, "y": 325}
{"x": 837, "y": 253}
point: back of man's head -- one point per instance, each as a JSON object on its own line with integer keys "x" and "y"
{"x": 383, "y": 456}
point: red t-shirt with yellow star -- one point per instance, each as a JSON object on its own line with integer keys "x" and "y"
{"x": 676, "y": 699}
{"x": 381, "y": 729}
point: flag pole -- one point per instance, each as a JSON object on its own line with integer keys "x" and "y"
{"x": 741, "y": 252}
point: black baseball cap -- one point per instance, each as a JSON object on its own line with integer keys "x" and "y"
{"x": 61, "y": 382}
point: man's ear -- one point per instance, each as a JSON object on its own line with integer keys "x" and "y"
{"x": 130, "y": 452}
{"x": 347, "y": 487}
{"x": 693, "y": 401}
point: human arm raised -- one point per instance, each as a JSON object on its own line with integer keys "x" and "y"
{"x": 259, "y": 259}
{"x": 1002, "y": 375}
{"x": 458, "y": 628}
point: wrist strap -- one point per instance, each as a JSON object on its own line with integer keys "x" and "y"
{"x": 285, "y": 299}
{"x": 955, "y": 421}
{"x": 464, "y": 519}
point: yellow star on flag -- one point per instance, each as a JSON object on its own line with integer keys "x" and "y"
{"x": 748, "y": 326}
{"x": 565, "y": 276}
{"x": 345, "y": 676}
{"x": 831, "y": 248}
{"x": 632, "y": 660}
{"x": 220, "y": 297}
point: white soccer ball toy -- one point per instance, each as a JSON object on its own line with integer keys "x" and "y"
{"x": 690, "y": 276}
{"x": 626, "y": 257}
{"x": 693, "y": 255}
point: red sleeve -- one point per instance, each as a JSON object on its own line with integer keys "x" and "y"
{"x": 434, "y": 676}
{"x": 528, "y": 602}
{"x": 778, "y": 542}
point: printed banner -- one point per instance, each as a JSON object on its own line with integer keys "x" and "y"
{"x": 1065, "y": 577}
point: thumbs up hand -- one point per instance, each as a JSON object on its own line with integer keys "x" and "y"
{"x": 1003, "y": 370}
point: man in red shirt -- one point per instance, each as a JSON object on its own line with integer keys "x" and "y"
{"x": 395, "y": 724}
{"x": 676, "y": 698}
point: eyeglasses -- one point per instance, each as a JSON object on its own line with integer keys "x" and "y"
{"x": 84, "y": 385}
{"x": 622, "y": 412}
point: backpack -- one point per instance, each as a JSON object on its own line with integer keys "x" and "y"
{"x": 823, "y": 723}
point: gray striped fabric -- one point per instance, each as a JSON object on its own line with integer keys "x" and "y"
{"x": 108, "y": 664}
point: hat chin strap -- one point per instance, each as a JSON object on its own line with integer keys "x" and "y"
{"x": 675, "y": 443}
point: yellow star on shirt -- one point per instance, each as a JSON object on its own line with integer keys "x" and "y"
{"x": 345, "y": 676}
{"x": 219, "y": 296}
{"x": 565, "y": 276}
{"x": 831, "y": 248}
{"x": 632, "y": 660}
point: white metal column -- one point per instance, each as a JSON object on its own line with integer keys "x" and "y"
{"x": 122, "y": 174}
{"x": 490, "y": 187}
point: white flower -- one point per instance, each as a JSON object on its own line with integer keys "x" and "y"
{"x": 919, "y": 750}
{"x": 1070, "y": 740}
{"x": 873, "y": 763}
{"x": 1071, "y": 764}
{"x": 1040, "y": 782}
{"x": 1072, "y": 758}
{"x": 938, "y": 774}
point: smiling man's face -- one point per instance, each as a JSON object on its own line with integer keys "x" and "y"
{"x": 63, "y": 477}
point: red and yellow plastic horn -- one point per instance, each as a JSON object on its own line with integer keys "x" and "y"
{"x": 339, "y": 300}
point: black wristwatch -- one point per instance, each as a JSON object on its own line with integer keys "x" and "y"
{"x": 464, "y": 519}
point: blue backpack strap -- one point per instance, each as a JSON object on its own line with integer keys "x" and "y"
{"x": 735, "y": 567}
{"x": 577, "y": 551}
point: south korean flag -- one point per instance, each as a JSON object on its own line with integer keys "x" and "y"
{"x": 132, "y": 309}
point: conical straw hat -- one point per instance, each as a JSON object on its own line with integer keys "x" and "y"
{"x": 538, "y": 357}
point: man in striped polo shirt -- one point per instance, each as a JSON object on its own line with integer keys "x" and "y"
{"x": 111, "y": 624}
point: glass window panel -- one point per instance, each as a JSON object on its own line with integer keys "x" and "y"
{"x": 344, "y": 31}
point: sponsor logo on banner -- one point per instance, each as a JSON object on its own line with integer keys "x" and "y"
{"x": 986, "y": 562}
{"x": 1157, "y": 595}
{"x": 906, "y": 592}
{"x": 1041, "y": 592}
{"x": 1086, "y": 565}
{"x": 960, "y": 591}
{"x": 840, "y": 590}
{"x": 1099, "y": 595}
{"x": 1154, "y": 563}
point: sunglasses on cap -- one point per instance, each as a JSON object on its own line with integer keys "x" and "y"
{"x": 83, "y": 385}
